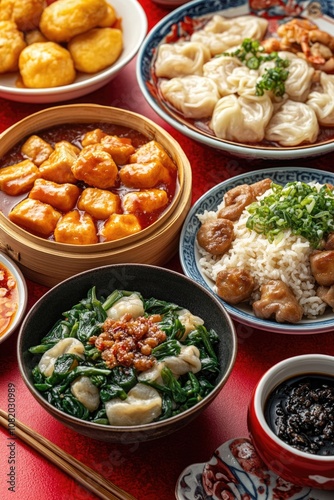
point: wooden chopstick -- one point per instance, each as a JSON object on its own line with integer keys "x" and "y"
{"x": 84, "y": 475}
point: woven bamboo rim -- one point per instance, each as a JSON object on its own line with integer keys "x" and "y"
{"x": 87, "y": 113}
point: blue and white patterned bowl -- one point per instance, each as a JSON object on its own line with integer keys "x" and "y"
{"x": 189, "y": 254}
{"x": 322, "y": 13}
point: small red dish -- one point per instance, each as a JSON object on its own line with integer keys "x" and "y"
{"x": 294, "y": 465}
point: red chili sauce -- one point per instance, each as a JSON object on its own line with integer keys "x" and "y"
{"x": 8, "y": 299}
{"x": 74, "y": 133}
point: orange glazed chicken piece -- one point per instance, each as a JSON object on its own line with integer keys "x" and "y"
{"x": 322, "y": 267}
{"x": 277, "y": 300}
{"x": 63, "y": 197}
{"x": 146, "y": 201}
{"x": 143, "y": 175}
{"x": 96, "y": 168}
{"x": 36, "y": 149}
{"x": 119, "y": 225}
{"x": 99, "y": 203}
{"x": 76, "y": 228}
{"x": 19, "y": 178}
{"x": 152, "y": 151}
{"x": 120, "y": 148}
{"x": 35, "y": 216}
{"x": 57, "y": 167}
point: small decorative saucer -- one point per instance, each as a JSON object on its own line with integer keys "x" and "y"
{"x": 236, "y": 472}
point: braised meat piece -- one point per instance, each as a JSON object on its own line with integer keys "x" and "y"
{"x": 278, "y": 301}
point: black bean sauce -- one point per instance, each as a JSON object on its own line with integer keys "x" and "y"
{"x": 301, "y": 413}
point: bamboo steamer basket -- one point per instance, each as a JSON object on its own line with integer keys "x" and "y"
{"x": 48, "y": 262}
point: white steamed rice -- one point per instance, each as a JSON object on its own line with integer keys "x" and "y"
{"x": 287, "y": 260}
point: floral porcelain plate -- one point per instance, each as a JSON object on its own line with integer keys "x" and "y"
{"x": 188, "y": 20}
{"x": 235, "y": 472}
{"x": 190, "y": 257}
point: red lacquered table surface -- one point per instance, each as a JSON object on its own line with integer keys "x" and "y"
{"x": 149, "y": 471}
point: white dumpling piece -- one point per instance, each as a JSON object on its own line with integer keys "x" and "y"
{"x": 193, "y": 96}
{"x": 221, "y": 33}
{"x": 180, "y": 59}
{"x": 68, "y": 345}
{"x": 86, "y": 392}
{"x": 294, "y": 123}
{"x": 142, "y": 406}
{"x": 131, "y": 304}
{"x": 187, "y": 361}
{"x": 189, "y": 321}
{"x": 242, "y": 119}
{"x": 219, "y": 70}
{"x": 300, "y": 76}
{"x": 321, "y": 100}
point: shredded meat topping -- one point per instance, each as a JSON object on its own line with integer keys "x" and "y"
{"x": 129, "y": 342}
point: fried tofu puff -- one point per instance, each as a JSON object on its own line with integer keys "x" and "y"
{"x": 11, "y": 45}
{"x": 36, "y": 149}
{"x": 25, "y": 13}
{"x": 118, "y": 226}
{"x": 76, "y": 228}
{"x": 96, "y": 168}
{"x": 38, "y": 217}
{"x": 64, "y": 19}
{"x": 96, "y": 49}
{"x": 44, "y": 65}
{"x": 19, "y": 178}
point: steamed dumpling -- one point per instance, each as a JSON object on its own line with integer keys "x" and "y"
{"x": 219, "y": 69}
{"x": 142, "y": 406}
{"x": 180, "y": 59}
{"x": 294, "y": 123}
{"x": 300, "y": 74}
{"x": 131, "y": 304}
{"x": 69, "y": 345}
{"x": 221, "y": 33}
{"x": 86, "y": 392}
{"x": 194, "y": 96}
{"x": 321, "y": 100}
{"x": 241, "y": 119}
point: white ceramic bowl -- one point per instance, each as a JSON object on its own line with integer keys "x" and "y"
{"x": 189, "y": 254}
{"x": 134, "y": 25}
{"x": 177, "y": 24}
{"x": 8, "y": 265}
{"x": 298, "y": 467}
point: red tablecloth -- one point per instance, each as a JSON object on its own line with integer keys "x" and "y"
{"x": 149, "y": 471}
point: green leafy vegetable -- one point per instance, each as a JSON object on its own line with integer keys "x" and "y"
{"x": 252, "y": 54}
{"x": 84, "y": 321}
{"x": 297, "y": 206}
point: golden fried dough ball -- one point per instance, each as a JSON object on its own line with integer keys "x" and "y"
{"x": 25, "y": 13}
{"x": 64, "y": 19}
{"x": 44, "y": 65}
{"x": 34, "y": 36}
{"x": 96, "y": 49}
{"x": 11, "y": 44}
{"x": 109, "y": 19}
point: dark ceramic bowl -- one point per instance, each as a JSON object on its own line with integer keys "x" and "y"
{"x": 298, "y": 467}
{"x": 150, "y": 281}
